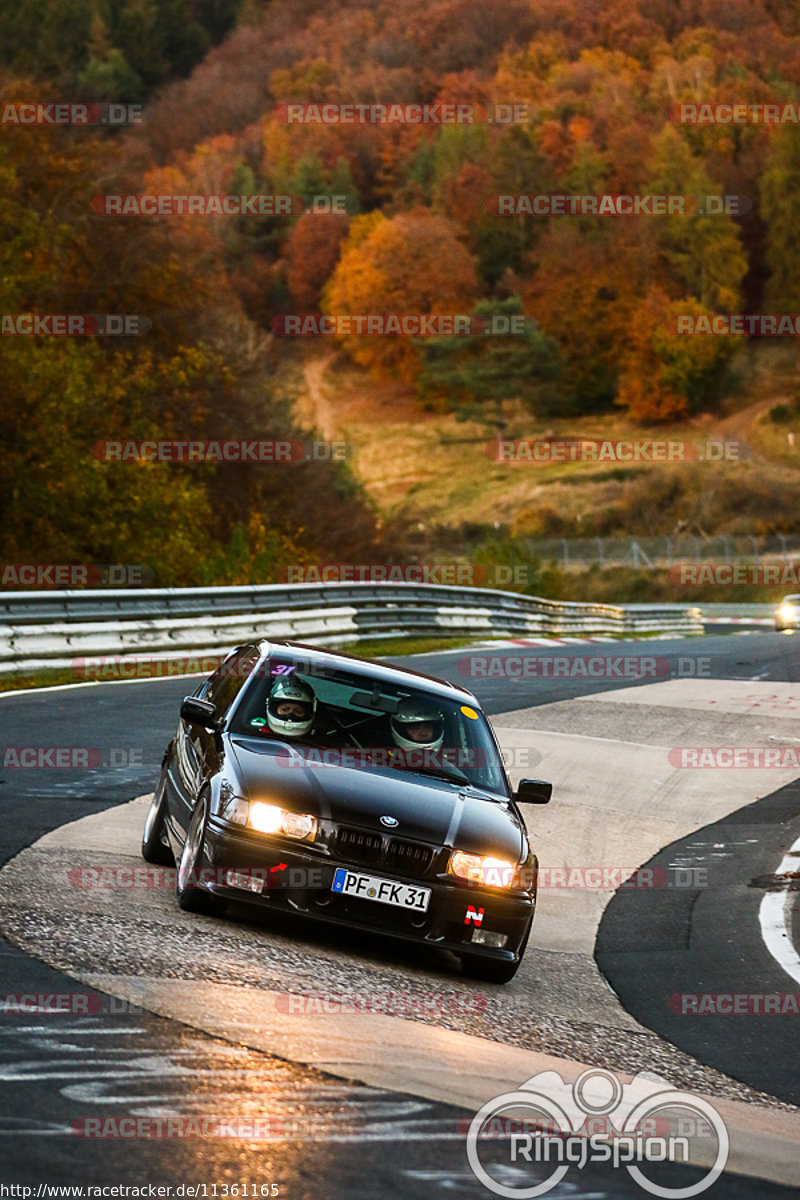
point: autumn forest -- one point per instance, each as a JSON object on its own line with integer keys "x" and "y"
{"x": 417, "y": 232}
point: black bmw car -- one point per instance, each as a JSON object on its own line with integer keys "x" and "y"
{"x": 351, "y": 792}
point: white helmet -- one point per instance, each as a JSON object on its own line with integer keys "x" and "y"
{"x": 290, "y": 689}
{"x": 417, "y": 713}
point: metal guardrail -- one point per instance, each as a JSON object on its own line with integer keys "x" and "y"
{"x": 55, "y": 629}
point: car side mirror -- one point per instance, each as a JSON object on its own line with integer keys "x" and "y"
{"x": 199, "y": 712}
{"x": 533, "y": 791}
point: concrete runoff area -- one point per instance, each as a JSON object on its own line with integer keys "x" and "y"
{"x": 615, "y": 804}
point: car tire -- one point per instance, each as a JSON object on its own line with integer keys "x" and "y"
{"x": 191, "y": 896}
{"x": 154, "y": 847}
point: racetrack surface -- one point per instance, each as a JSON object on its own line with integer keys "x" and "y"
{"x": 559, "y": 1002}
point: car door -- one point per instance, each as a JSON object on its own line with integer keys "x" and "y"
{"x": 199, "y": 751}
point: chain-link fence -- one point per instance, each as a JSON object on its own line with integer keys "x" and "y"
{"x": 646, "y": 552}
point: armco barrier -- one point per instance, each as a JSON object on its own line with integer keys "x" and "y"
{"x": 51, "y": 629}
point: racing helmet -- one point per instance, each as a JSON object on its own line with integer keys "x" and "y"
{"x": 290, "y": 689}
{"x": 411, "y": 716}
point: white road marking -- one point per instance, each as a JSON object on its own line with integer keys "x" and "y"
{"x": 773, "y": 916}
{"x": 63, "y": 687}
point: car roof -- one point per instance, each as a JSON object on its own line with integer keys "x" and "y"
{"x": 370, "y": 668}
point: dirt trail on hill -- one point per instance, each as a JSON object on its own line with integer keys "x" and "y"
{"x": 318, "y": 409}
{"x": 739, "y": 425}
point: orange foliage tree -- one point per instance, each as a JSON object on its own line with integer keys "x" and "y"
{"x": 413, "y": 263}
{"x": 667, "y": 375}
{"x": 311, "y": 255}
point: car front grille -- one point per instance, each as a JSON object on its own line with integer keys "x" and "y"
{"x": 359, "y": 846}
{"x": 412, "y": 859}
{"x": 408, "y": 858}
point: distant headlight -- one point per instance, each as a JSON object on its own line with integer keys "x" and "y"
{"x": 787, "y": 612}
{"x": 270, "y": 818}
{"x": 489, "y": 871}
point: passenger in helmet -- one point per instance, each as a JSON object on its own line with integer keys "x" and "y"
{"x": 291, "y": 707}
{"x": 417, "y": 725}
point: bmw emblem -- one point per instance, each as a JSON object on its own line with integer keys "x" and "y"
{"x": 390, "y": 822}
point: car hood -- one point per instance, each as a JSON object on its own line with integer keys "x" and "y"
{"x": 425, "y": 808}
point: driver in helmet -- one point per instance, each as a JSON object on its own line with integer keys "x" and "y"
{"x": 417, "y": 725}
{"x": 291, "y": 707}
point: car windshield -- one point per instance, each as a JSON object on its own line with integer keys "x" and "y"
{"x": 359, "y": 721}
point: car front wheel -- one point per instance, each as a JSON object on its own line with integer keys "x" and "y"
{"x": 191, "y": 896}
{"x": 154, "y": 847}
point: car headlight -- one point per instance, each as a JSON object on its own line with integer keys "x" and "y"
{"x": 270, "y": 818}
{"x": 486, "y": 870}
{"x": 787, "y": 612}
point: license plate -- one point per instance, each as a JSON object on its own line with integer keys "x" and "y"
{"x": 384, "y": 891}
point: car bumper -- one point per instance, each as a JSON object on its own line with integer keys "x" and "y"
{"x": 292, "y": 879}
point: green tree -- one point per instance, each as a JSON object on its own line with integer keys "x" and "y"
{"x": 780, "y": 210}
{"x": 703, "y": 249}
{"x": 478, "y": 375}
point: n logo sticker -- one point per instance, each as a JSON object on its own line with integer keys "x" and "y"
{"x": 475, "y": 915}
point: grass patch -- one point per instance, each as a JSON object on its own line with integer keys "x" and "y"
{"x": 40, "y": 679}
{"x": 433, "y": 475}
{"x": 398, "y": 647}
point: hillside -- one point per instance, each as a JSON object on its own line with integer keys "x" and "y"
{"x": 392, "y": 214}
